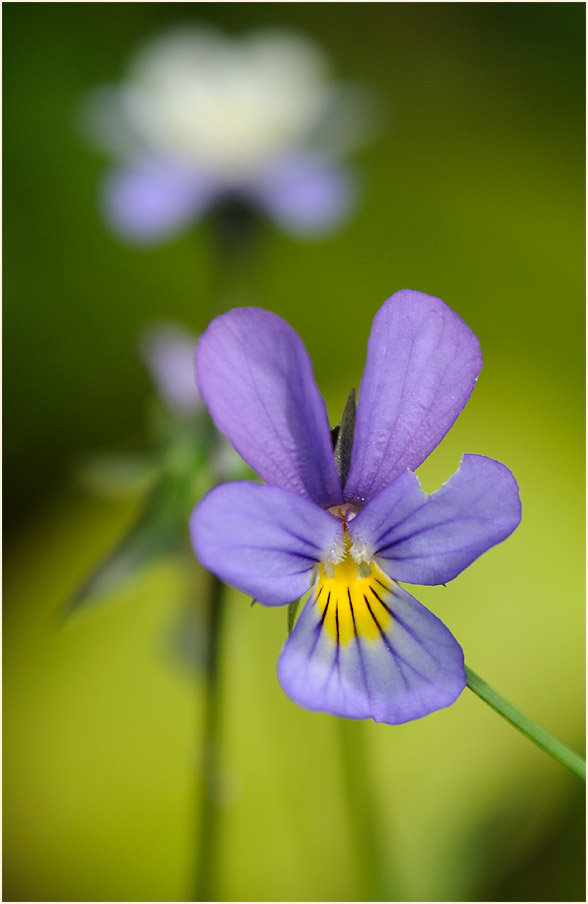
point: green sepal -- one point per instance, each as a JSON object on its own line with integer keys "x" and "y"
{"x": 292, "y": 613}
{"x": 344, "y": 439}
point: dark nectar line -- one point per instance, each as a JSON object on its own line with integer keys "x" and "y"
{"x": 380, "y": 629}
{"x": 396, "y": 657}
{"x": 371, "y": 611}
{"x": 324, "y": 615}
{"x": 352, "y": 612}
{"x": 380, "y": 600}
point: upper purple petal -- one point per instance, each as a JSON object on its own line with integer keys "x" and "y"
{"x": 306, "y": 195}
{"x": 263, "y": 540}
{"x": 431, "y": 539}
{"x": 256, "y": 377}
{"x": 152, "y": 199}
{"x": 422, "y": 364}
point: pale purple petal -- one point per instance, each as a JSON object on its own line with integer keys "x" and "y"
{"x": 263, "y": 540}
{"x": 168, "y": 352}
{"x": 151, "y": 199}
{"x": 256, "y": 377}
{"x": 422, "y": 364}
{"x": 431, "y": 539}
{"x": 411, "y": 667}
{"x": 306, "y": 195}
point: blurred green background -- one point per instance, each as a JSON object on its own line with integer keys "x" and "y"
{"x": 473, "y": 190}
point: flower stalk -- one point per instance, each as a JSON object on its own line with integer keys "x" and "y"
{"x": 531, "y": 729}
{"x": 365, "y": 835}
{"x": 233, "y": 235}
{"x": 210, "y": 784}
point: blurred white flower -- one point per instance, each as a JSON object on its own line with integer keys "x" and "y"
{"x": 201, "y": 117}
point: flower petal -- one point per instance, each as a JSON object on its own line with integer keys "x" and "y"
{"x": 168, "y": 351}
{"x": 263, "y": 540}
{"x": 422, "y": 364}
{"x": 393, "y": 662}
{"x": 306, "y": 195}
{"x": 430, "y": 540}
{"x": 256, "y": 377}
{"x": 152, "y": 199}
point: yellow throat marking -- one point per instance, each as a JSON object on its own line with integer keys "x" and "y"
{"x": 351, "y": 604}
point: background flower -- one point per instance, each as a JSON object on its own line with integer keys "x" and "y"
{"x": 478, "y": 193}
{"x": 202, "y": 117}
{"x": 168, "y": 352}
{"x": 183, "y": 458}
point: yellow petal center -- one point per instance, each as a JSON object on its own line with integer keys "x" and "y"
{"x": 353, "y": 598}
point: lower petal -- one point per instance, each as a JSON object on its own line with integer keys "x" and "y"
{"x": 306, "y": 195}
{"x": 152, "y": 199}
{"x": 375, "y": 654}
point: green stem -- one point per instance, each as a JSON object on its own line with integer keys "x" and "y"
{"x": 362, "y": 811}
{"x": 360, "y": 800}
{"x": 210, "y": 783}
{"x": 233, "y": 231}
{"x": 536, "y": 733}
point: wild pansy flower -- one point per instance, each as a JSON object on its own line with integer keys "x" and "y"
{"x": 363, "y": 646}
{"x": 201, "y": 118}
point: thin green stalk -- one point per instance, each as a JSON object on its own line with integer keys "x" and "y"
{"x": 536, "y": 733}
{"x": 233, "y": 231}
{"x": 366, "y": 838}
{"x": 210, "y": 784}
{"x": 360, "y": 800}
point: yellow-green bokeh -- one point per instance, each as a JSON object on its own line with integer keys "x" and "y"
{"x": 473, "y": 191}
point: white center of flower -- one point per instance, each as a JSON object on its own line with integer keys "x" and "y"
{"x": 352, "y": 593}
{"x": 347, "y": 546}
{"x": 227, "y": 105}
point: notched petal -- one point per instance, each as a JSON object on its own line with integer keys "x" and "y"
{"x": 430, "y": 540}
{"x": 422, "y": 364}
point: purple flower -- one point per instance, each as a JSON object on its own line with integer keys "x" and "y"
{"x": 168, "y": 352}
{"x": 201, "y": 118}
{"x": 362, "y": 647}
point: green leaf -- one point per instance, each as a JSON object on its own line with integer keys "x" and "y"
{"x": 160, "y": 529}
{"x": 117, "y": 475}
